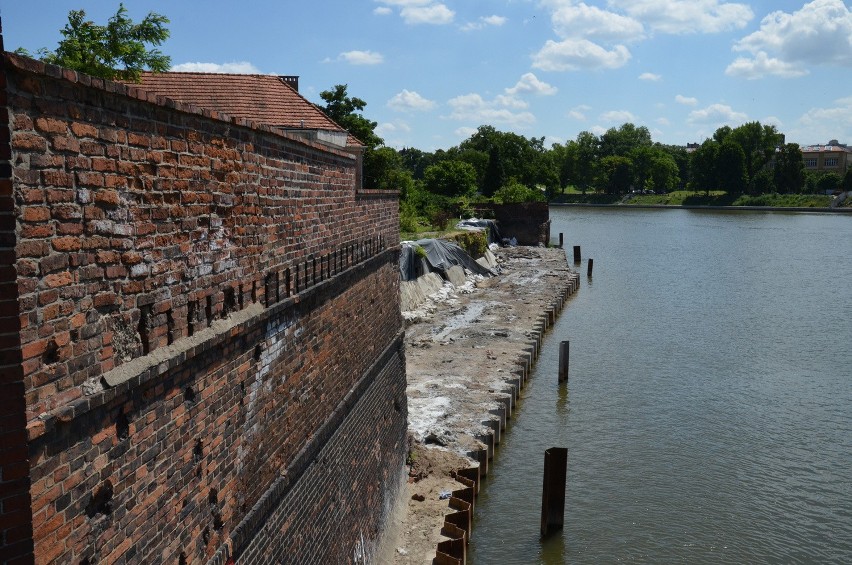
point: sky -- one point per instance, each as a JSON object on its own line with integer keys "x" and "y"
{"x": 433, "y": 71}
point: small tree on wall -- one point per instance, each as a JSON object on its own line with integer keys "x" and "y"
{"x": 116, "y": 51}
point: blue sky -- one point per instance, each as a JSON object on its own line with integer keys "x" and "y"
{"x": 432, "y": 71}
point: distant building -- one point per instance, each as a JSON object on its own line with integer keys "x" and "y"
{"x": 833, "y": 157}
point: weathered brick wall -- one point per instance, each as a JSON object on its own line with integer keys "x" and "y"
{"x": 198, "y": 297}
{"x": 16, "y": 543}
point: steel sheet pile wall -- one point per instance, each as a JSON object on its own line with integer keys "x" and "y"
{"x": 202, "y": 307}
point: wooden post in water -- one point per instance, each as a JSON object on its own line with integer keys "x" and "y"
{"x": 553, "y": 490}
{"x": 591, "y": 266}
{"x": 561, "y": 239}
{"x": 564, "y": 354}
{"x": 577, "y": 254}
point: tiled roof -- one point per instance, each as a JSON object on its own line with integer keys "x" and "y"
{"x": 265, "y": 99}
{"x": 826, "y": 149}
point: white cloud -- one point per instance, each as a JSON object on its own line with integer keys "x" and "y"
{"x": 717, "y": 114}
{"x": 362, "y": 57}
{"x": 762, "y": 65}
{"x": 581, "y": 20}
{"x": 618, "y": 116}
{"x": 576, "y": 54}
{"x": 579, "y": 112}
{"x": 529, "y": 83}
{"x": 473, "y": 108}
{"x": 663, "y": 121}
{"x": 383, "y": 11}
{"x": 420, "y": 11}
{"x": 509, "y": 101}
{"x": 236, "y": 67}
{"x": 408, "y": 101}
{"x": 787, "y": 44}
{"x": 386, "y": 129}
{"x": 819, "y": 125}
{"x": 650, "y": 77}
{"x": 687, "y": 16}
{"x": 484, "y": 21}
{"x": 686, "y": 100}
{"x": 773, "y": 121}
{"x": 465, "y": 132}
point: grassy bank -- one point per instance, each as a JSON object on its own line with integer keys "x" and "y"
{"x": 688, "y": 198}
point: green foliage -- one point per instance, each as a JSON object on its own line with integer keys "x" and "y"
{"x": 730, "y": 167}
{"x": 789, "y": 169}
{"x": 615, "y": 174}
{"x": 116, "y": 51}
{"x": 846, "y": 185}
{"x": 450, "y": 178}
{"x": 514, "y": 192}
{"x": 474, "y": 242}
{"x": 828, "y": 183}
{"x": 784, "y": 200}
{"x": 346, "y": 111}
{"x": 620, "y": 142}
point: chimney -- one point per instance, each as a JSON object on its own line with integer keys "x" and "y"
{"x": 290, "y": 80}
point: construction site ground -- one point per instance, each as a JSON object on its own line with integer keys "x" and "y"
{"x": 464, "y": 346}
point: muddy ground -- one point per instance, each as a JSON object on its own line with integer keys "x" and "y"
{"x": 462, "y": 351}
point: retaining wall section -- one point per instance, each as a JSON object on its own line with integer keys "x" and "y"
{"x": 528, "y": 222}
{"x": 196, "y": 298}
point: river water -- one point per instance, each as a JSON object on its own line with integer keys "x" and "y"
{"x": 708, "y": 413}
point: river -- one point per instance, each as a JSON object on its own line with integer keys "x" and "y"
{"x": 708, "y": 412}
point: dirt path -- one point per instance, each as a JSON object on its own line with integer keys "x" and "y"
{"x": 461, "y": 356}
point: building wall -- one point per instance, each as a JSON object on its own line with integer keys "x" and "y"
{"x": 827, "y": 158}
{"x": 198, "y": 298}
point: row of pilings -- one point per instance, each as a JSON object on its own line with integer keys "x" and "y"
{"x": 458, "y": 523}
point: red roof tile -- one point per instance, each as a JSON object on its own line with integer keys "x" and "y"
{"x": 265, "y": 99}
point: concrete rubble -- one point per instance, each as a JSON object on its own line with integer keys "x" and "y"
{"x": 467, "y": 345}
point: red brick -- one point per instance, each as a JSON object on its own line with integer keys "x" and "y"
{"x": 50, "y": 125}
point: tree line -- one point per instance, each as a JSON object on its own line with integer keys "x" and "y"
{"x": 752, "y": 159}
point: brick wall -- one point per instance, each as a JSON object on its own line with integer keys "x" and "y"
{"x": 197, "y": 298}
{"x": 15, "y": 517}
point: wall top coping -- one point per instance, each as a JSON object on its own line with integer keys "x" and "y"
{"x": 36, "y": 67}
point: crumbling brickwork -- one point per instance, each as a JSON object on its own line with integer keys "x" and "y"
{"x": 203, "y": 306}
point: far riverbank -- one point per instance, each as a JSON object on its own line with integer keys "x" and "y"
{"x": 696, "y": 207}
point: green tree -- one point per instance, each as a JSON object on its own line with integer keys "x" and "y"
{"x": 495, "y": 175}
{"x": 416, "y": 161}
{"x": 615, "y": 174}
{"x": 703, "y": 169}
{"x": 116, "y": 51}
{"x": 347, "y": 112}
{"x": 513, "y": 191}
{"x": 620, "y": 142}
{"x": 789, "y": 169}
{"x": 828, "y": 183}
{"x": 846, "y": 185}
{"x": 731, "y": 167}
{"x": 450, "y": 178}
{"x": 758, "y": 143}
{"x": 587, "y": 160}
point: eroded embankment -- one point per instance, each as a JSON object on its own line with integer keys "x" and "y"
{"x": 467, "y": 359}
